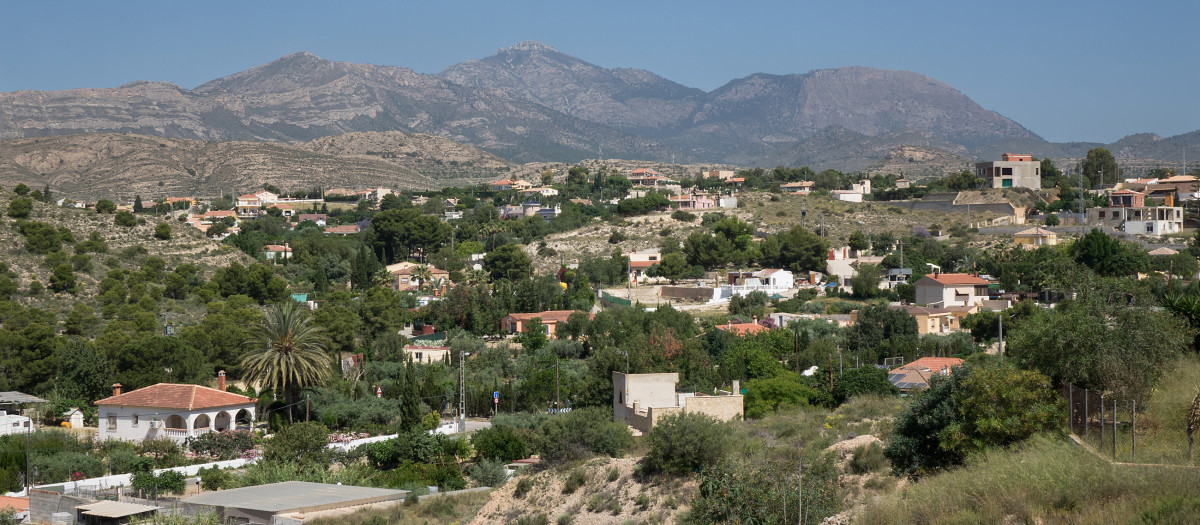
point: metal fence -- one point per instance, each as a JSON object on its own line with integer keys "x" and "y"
{"x": 1105, "y": 422}
{"x": 609, "y": 300}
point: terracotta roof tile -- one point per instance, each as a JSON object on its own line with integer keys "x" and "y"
{"x": 555, "y": 316}
{"x": 956, "y": 278}
{"x": 181, "y": 397}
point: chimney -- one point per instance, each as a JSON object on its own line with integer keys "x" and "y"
{"x": 116, "y": 389}
{"x": 221, "y": 380}
{"x": 736, "y": 388}
{"x": 756, "y": 319}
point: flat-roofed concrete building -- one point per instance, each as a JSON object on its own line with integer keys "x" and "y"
{"x": 640, "y": 400}
{"x": 1011, "y": 171}
{"x": 290, "y": 499}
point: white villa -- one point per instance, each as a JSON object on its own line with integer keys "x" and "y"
{"x": 769, "y": 281}
{"x": 172, "y": 411}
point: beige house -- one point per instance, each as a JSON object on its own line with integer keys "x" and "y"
{"x": 1011, "y": 171}
{"x": 951, "y": 289}
{"x": 639, "y": 400}
{"x": 1034, "y": 237}
{"x": 427, "y": 354}
{"x": 932, "y": 320}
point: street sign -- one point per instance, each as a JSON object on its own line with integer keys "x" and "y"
{"x": 496, "y": 395}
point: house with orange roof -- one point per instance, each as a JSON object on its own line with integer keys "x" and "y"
{"x": 551, "y": 319}
{"x": 917, "y": 374}
{"x": 173, "y": 411}
{"x": 951, "y": 289}
{"x": 743, "y": 329}
{"x": 802, "y": 187}
{"x": 403, "y": 277}
{"x": 20, "y": 506}
{"x": 251, "y": 204}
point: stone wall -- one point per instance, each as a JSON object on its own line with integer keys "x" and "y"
{"x": 689, "y": 293}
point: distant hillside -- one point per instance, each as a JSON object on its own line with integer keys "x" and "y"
{"x": 533, "y": 103}
{"x": 915, "y": 162}
{"x": 123, "y": 165}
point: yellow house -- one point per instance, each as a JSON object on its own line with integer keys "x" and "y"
{"x": 1034, "y": 237}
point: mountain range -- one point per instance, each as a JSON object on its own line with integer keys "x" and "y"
{"x": 531, "y": 102}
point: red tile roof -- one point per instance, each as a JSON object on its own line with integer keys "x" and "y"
{"x": 179, "y": 397}
{"x": 956, "y": 278}
{"x": 549, "y": 316}
{"x": 18, "y": 504}
{"x": 276, "y": 248}
{"x": 743, "y": 329}
{"x": 345, "y": 229}
{"x": 934, "y": 364}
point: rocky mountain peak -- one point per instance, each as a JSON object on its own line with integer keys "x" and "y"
{"x": 530, "y": 45}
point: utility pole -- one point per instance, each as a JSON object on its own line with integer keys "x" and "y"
{"x": 306, "y": 407}
{"x": 28, "y": 460}
{"x": 462, "y": 391}
{"x": 800, "y": 490}
{"x": 1000, "y": 320}
{"x": 628, "y": 277}
{"x": 1082, "y": 217}
{"x": 557, "y": 384}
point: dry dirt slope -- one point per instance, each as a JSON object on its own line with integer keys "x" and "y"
{"x": 609, "y": 494}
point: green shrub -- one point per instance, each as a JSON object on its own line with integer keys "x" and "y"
{"x": 614, "y": 474}
{"x": 501, "y": 443}
{"x": 66, "y": 466}
{"x": 124, "y": 218}
{"x": 303, "y": 442}
{"x": 768, "y": 395}
{"x": 863, "y": 380}
{"x": 123, "y": 461}
{"x": 536, "y": 519}
{"x": 522, "y": 488}
{"x": 565, "y": 519}
{"x": 20, "y": 208}
{"x": 582, "y": 432}
{"x": 152, "y": 485}
{"x": 222, "y": 445}
{"x": 868, "y": 458}
{"x": 575, "y": 479}
{"x": 162, "y": 231}
{"x": 681, "y": 443}
{"x": 488, "y": 473}
{"x": 214, "y": 478}
{"x": 684, "y": 216}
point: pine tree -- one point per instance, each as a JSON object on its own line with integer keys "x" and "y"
{"x": 137, "y": 204}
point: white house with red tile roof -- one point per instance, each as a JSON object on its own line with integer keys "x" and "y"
{"x": 277, "y": 251}
{"x": 318, "y": 218}
{"x": 172, "y": 411}
{"x": 951, "y": 289}
{"x": 250, "y": 204}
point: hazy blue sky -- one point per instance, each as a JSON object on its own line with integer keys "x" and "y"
{"x": 1068, "y": 70}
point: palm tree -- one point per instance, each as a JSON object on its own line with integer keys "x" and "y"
{"x": 422, "y": 274}
{"x": 287, "y": 352}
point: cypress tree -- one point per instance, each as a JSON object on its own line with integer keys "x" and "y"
{"x": 137, "y": 204}
{"x": 410, "y": 401}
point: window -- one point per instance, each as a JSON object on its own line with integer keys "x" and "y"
{"x": 135, "y": 420}
{"x": 112, "y": 422}
{"x": 1149, "y": 227}
{"x": 1006, "y": 183}
{"x": 418, "y": 356}
{"x": 1006, "y": 171}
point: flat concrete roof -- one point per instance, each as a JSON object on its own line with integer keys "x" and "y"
{"x": 296, "y": 496}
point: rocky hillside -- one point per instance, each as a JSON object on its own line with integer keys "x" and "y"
{"x": 916, "y": 162}
{"x": 120, "y": 166}
{"x": 629, "y": 99}
{"x": 530, "y": 103}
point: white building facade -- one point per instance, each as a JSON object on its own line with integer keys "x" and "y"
{"x": 172, "y": 411}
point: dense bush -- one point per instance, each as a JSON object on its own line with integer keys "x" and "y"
{"x": 222, "y": 445}
{"x": 304, "y": 443}
{"x": 681, "y": 443}
{"x": 124, "y": 218}
{"x": 66, "y": 466}
{"x": 862, "y": 380}
{"x": 214, "y": 478}
{"x": 867, "y": 458}
{"x": 582, "y": 432}
{"x": 684, "y": 216}
{"x": 20, "y": 208}
{"x": 972, "y": 410}
{"x": 488, "y": 473}
{"x": 413, "y": 447}
{"x": 151, "y": 485}
{"x": 764, "y": 396}
{"x": 123, "y": 461}
{"x": 501, "y": 443}
{"x": 162, "y": 231}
